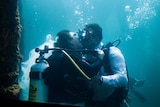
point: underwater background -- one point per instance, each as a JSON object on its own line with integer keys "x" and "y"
{"x": 135, "y": 22}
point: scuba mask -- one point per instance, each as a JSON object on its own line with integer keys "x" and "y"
{"x": 84, "y": 34}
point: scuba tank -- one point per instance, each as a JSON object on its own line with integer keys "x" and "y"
{"x": 38, "y": 90}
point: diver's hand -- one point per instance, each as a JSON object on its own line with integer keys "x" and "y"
{"x": 101, "y": 91}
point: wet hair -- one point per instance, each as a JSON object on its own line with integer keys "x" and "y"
{"x": 67, "y": 40}
{"x": 63, "y": 38}
{"x": 97, "y": 30}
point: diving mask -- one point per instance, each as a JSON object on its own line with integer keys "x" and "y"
{"x": 84, "y": 34}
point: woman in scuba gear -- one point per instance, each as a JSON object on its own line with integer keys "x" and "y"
{"x": 68, "y": 75}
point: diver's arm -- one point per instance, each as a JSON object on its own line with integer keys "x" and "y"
{"x": 118, "y": 66}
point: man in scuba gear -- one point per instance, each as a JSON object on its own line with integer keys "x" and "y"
{"x": 68, "y": 73}
{"x": 113, "y": 74}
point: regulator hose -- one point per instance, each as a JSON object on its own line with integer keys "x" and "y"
{"x": 74, "y": 63}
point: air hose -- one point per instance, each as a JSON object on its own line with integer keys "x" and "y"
{"x": 118, "y": 41}
{"x": 74, "y": 63}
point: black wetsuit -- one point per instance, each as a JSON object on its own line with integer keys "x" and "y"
{"x": 65, "y": 82}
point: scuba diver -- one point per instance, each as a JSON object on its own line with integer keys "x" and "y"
{"x": 113, "y": 73}
{"x": 68, "y": 74}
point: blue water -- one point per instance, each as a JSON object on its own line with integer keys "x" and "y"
{"x": 135, "y": 22}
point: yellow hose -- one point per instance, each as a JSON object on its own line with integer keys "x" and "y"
{"x": 125, "y": 102}
{"x": 74, "y": 63}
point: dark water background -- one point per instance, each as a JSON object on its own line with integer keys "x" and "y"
{"x": 135, "y": 22}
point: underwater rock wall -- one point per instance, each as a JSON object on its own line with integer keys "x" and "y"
{"x": 10, "y": 57}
